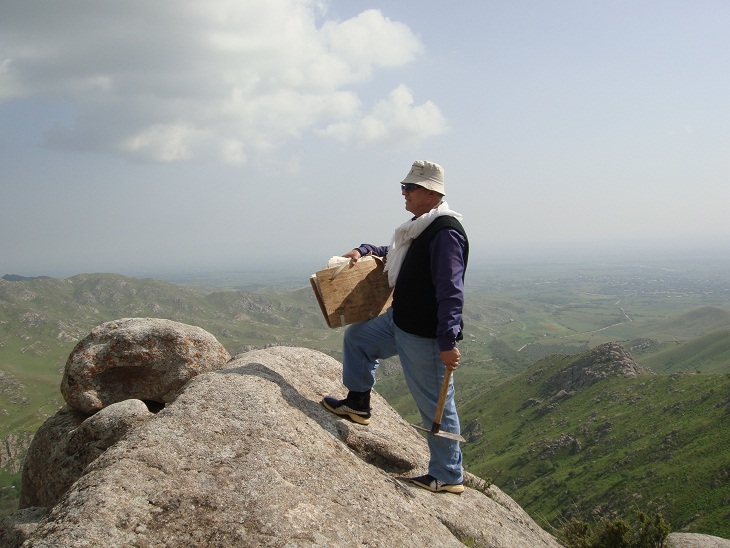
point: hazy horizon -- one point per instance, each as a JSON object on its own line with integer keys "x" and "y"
{"x": 655, "y": 254}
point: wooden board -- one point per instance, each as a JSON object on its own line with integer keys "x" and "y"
{"x": 352, "y": 293}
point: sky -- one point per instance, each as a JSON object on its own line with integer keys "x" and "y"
{"x": 182, "y": 135}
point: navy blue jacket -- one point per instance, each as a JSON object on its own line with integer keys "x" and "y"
{"x": 428, "y": 299}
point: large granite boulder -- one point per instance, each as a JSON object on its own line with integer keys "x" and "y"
{"x": 148, "y": 359}
{"x": 247, "y": 456}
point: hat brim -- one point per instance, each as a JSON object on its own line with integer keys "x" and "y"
{"x": 436, "y": 186}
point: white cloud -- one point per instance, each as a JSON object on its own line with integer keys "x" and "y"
{"x": 234, "y": 152}
{"x": 169, "y": 81}
{"x": 163, "y": 143}
{"x": 371, "y": 40}
{"x": 395, "y": 119}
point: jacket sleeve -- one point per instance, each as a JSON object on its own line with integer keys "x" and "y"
{"x": 447, "y": 272}
{"x": 369, "y": 249}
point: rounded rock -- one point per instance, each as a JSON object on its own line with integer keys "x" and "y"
{"x": 148, "y": 359}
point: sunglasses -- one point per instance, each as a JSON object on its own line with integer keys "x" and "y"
{"x": 409, "y": 187}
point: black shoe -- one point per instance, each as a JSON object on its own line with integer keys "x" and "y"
{"x": 437, "y": 486}
{"x": 356, "y": 406}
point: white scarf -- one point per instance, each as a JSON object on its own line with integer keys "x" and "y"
{"x": 406, "y": 233}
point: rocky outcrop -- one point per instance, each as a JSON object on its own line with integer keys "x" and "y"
{"x": 694, "y": 540}
{"x": 67, "y": 443}
{"x": 604, "y": 361}
{"x": 14, "y": 529}
{"x": 142, "y": 358}
{"x": 247, "y": 456}
{"x": 546, "y": 449}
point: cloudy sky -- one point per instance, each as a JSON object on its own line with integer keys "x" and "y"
{"x": 188, "y": 135}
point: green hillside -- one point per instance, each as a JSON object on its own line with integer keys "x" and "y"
{"x": 696, "y": 322}
{"x": 651, "y": 443}
{"x": 41, "y": 320}
{"x": 707, "y": 353}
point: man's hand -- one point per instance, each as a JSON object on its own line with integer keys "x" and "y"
{"x": 451, "y": 358}
{"x": 353, "y": 255}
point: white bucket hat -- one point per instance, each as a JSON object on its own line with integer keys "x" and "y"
{"x": 426, "y": 174}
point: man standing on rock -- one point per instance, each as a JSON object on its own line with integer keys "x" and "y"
{"x": 425, "y": 262}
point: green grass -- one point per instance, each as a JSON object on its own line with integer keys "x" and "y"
{"x": 30, "y": 388}
{"x": 9, "y": 492}
{"x": 710, "y": 353}
{"x": 652, "y": 444}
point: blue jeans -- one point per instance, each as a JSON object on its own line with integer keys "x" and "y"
{"x": 368, "y": 342}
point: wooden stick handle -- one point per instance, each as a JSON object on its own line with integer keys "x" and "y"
{"x": 441, "y": 403}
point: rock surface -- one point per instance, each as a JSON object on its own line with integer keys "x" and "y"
{"x": 694, "y": 540}
{"x": 67, "y": 443}
{"x": 247, "y": 456}
{"x": 141, "y": 358}
{"x": 14, "y": 529}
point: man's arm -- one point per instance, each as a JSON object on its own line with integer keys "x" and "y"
{"x": 447, "y": 272}
{"x": 366, "y": 249}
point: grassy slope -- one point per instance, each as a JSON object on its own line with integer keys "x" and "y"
{"x": 707, "y": 353}
{"x": 652, "y": 443}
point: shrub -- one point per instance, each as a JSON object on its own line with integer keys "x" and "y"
{"x": 615, "y": 533}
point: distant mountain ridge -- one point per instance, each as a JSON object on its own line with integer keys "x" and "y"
{"x": 49, "y": 306}
{"x": 17, "y": 278}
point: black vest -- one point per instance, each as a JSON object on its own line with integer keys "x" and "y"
{"x": 414, "y": 297}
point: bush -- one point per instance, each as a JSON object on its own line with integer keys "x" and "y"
{"x": 615, "y": 533}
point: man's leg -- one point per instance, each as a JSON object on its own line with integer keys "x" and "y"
{"x": 363, "y": 346}
{"x": 424, "y": 372}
